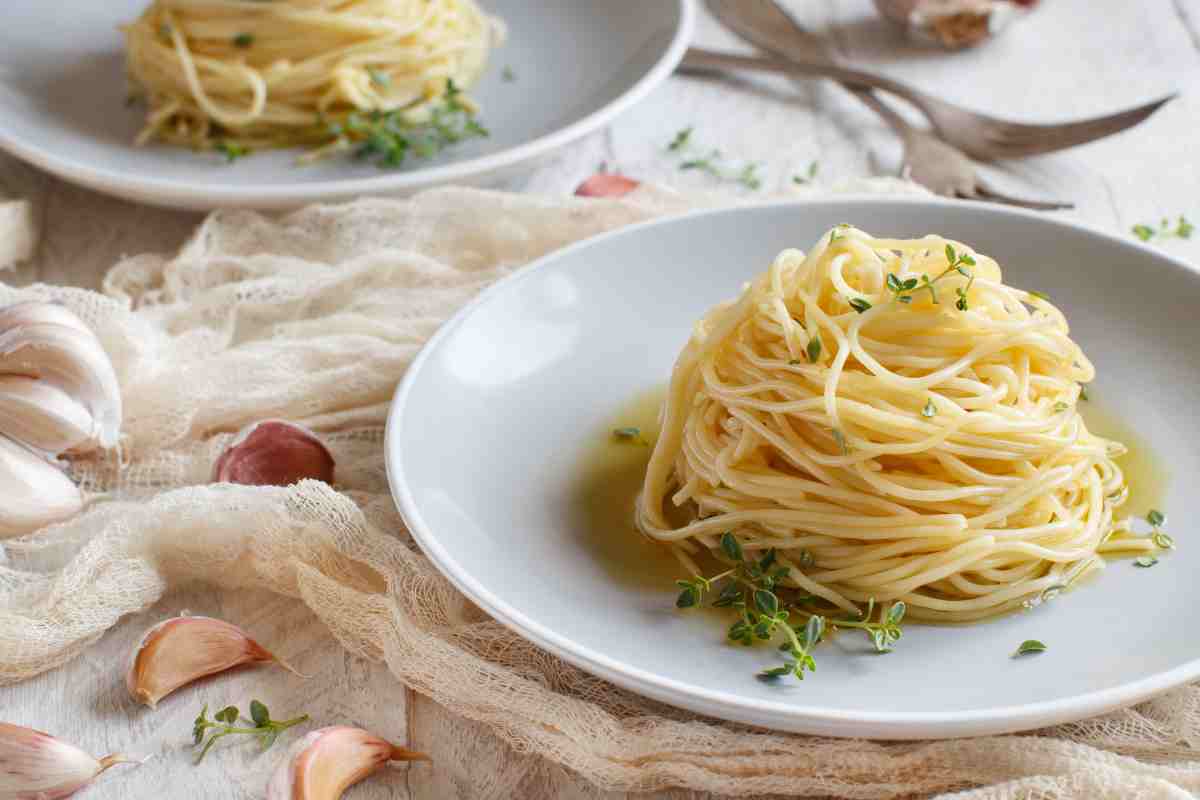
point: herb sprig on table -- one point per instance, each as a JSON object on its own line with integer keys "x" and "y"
{"x": 225, "y": 723}
{"x": 1181, "y": 230}
{"x": 764, "y": 609}
{"x": 712, "y": 162}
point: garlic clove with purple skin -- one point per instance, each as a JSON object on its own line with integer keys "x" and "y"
{"x": 274, "y": 453}
{"x": 180, "y": 650}
{"x": 37, "y": 765}
{"x": 326, "y": 762}
{"x": 35, "y": 492}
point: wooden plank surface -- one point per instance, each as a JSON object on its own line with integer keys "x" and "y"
{"x": 1071, "y": 58}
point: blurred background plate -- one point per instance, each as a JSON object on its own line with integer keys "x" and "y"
{"x": 575, "y": 65}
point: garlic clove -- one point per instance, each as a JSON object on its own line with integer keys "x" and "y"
{"x": 43, "y": 416}
{"x": 39, "y": 493}
{"x": 37, "y": 765}
{"x": 177, "y": 651}
{"x": 36, "y": 312}
{"x": 274, "y": 453}
{"x": 606, "y": 184}
{"x": 953, "y": 24}
{"x": 326, "y": 762}
{"x": 72, "y": 360}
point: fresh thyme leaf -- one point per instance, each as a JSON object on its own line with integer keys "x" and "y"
{"x": 951, "y": 258}
{"x": 813, "y": 350}
{"x": 1028, "y": 647}
{"x": 1060, "y": 406}
{"x": 1163, "y": 540}
{"x": 840, "y": 438}
{"x": 231, "y": 150}
{"x": 1145, "y": 561}
{"x": 1183, "y": 229}
{"x": 1083, "y": 393}
{"x": 731, "y": 546}
{"x": 379, "y": 77}
{"x": 808, "y": 176}
{"x": 630, "y": 435}
{"x": 507, "y": 74}
{"x": 1156, "y": 517}
{"x": 243, "y": 40}
{"x": 225, "y": 723}
{"x": 687, "y": 598}
{"x": 860, "y": 305}
{"x": 707, "y": 164}
{"x": 806, "y": 558}
{"x": 1038, "y": 295}
{"x": 766, "y": 602}
{"x": 681, "y": 139}
{"x": 929, "y": 410}
{"x": 749, "y": 177}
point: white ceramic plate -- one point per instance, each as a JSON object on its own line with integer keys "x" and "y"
{"x": 576, "y": 63}
{"x": 490, "y": 424}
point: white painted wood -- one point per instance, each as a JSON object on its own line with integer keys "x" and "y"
{"x": 1070, "y": 58}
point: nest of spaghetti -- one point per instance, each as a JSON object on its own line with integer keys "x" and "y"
{"x": 897, "y": 425}
{"x": 240, "y": 75}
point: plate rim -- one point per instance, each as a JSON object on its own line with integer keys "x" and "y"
{"x": 775, "y": 715}
{"x": 194, "y": 195}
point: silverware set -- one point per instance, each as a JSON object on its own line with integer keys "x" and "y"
{"x": 938, "y": 158}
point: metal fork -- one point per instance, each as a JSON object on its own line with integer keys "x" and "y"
{"x": 766, "y": 25}
{"x": 928, "y": 160}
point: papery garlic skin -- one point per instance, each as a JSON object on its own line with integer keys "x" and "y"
{"x": 180, "y": 650}
{"x": 328, "y": 761}
{"x": 43, "y": 416}
{"x": 72, "y": 360}
{"x": 35, "y": 765}
{"x": 274, "y": 452}
{"x": 33, "y": 492}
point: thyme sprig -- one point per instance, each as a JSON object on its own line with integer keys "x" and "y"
{"x": 713, "y": 162}
{"x": 752, "y": 588}
{"x": 1181, "y": 230}
{"x": 903, "y": 291}
{"x": 225, "y": 723}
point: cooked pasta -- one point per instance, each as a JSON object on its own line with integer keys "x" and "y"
{"x": 252, "y": 74}
{"x": 898, "y": 424}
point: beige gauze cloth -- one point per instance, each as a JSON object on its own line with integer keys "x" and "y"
{"x": 314, "y": 317}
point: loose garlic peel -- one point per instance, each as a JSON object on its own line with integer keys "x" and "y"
{"x": 180, "y": 650}
{"x": 274, "y": 453}
{"x": 326, "y": 762}
{"x": 37, "y": 765}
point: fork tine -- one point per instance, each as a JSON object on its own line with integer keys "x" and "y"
{"x": 1017, "y": 140}
{"x": 985, "y": 192}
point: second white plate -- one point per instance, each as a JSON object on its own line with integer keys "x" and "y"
{"x": 489, "y": 436}
{"x": 575, "y": 64}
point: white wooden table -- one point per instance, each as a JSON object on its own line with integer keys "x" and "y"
{"x": 1071, "y": 58}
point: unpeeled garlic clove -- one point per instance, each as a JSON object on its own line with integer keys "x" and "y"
{"x": 326, "y": 762}
{"x": 606, "y": 184}
{"x": 37, "y": 312}
{"x": 37, "y": 765}
{"x": 68, "y": 356}
{"x": 274, "y": 453}
{"x": 952, "y": 23}
{"x": 177, "y": 651}
{"x": 38, "y": 493}
{"x": 43, "y": 416}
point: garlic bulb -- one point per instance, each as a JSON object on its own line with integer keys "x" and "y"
{"x": 38, "y": 492}
{"x": 326, "y": 762}
{"x": 177, "y": 651}
{"x": 37, "y": 766}
{"x": 274, "y": 453}
{"x": 952, "y": 23}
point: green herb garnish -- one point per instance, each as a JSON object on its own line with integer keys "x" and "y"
{"x": 840, "y": 438}
{"x": 1028, "y": 647}
{"x": 225, "y": 723}
{"x": 390, "y": 138}
{"x": 903, "y": 290}
{"x": 1182, "y": 230}
{"x": 1156, "y": 517}
{"x": 243, "y": 40}
{"x": 929, "y": 410}
{"x": 681, "y": 139}
{"x": 1038, "y": 295}
{"x": 808, "y": 176}
{"x": 507, "y": 74}
{"x": 1083, "y": 394}
{"x": 630, "y": 435}
{"x": 858, "y": 304}
{"x": 748, "y": 177}
{"x": 886, "y": 632}
{"x": 379, "y": 77}
{"x": 1145, "y": 561}
{"x": 1163, "y": 540}
{"x": 231, "y": 150}
{"x": 1060, "y": 406}
{"x": 813, "y": 350}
